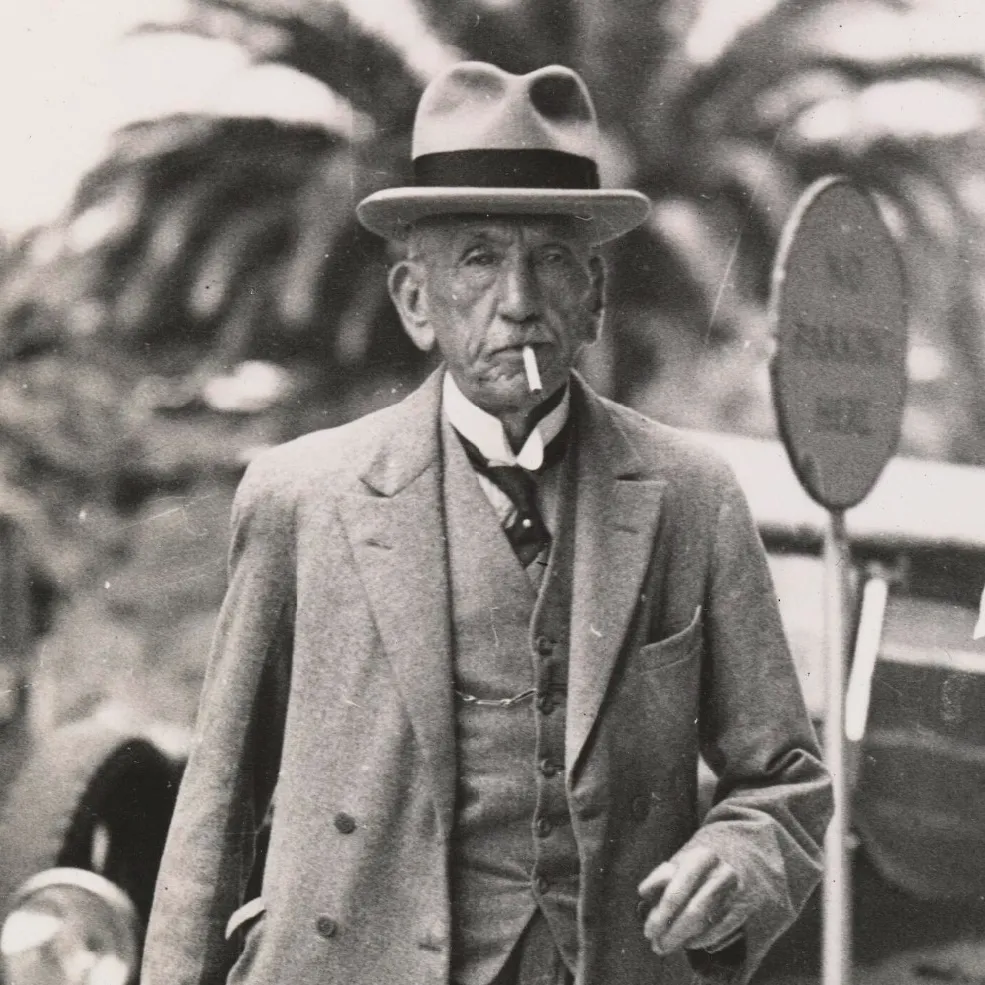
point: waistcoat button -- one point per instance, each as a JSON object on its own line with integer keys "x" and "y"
{"x": 643, "y": 909}
{"x": 541, "y": 885}
{"x": 549, "y": 768}
{"x": 545, "y": 646}
{"x": 640, "y": 807}
{"x": 543, "y": 827}
{"x": 326, "y": 927}
{"x": 345, "y": 823}
{"x": 545, "y": 703}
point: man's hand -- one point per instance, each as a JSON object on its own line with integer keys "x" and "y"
{"x": 700, "y": 904}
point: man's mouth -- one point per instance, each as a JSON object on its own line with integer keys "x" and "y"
{"x": 516, "y": 348}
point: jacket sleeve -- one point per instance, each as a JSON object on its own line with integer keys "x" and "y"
{"x": 234, "y": 759}
{"x": 773, "y": 799}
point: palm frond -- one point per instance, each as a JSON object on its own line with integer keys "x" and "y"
{"x": 218, "y": 228}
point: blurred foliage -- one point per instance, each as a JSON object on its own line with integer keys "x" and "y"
{"x": 208, "y": 290}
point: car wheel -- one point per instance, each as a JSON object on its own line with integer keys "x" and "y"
{"x": 94, "y": 796}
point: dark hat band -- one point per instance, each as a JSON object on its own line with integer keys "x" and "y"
{"x": 506, "y": 169}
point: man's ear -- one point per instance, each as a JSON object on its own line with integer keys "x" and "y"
{"x": 596, "y": 292}
{"x": 407, "y": 291}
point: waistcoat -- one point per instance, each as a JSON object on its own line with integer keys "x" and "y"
{"x": 513, "y": 849}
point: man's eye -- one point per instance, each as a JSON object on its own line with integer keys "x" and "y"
{"x": 553, "y": 256}
{"x": 480, "y": 259}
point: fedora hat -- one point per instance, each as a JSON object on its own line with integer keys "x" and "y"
{"x": 487, "y": 142}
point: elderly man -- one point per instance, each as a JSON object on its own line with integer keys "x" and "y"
{"x": 474, "y": 644}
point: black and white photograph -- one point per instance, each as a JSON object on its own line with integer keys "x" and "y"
{"x": 492, "y": 492}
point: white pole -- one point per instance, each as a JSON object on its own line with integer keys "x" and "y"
{"x": 868, "y": 639}
{"x": 836, "y": 951}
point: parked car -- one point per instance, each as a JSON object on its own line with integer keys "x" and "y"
{"x": 918, "y": 546}
{"x": 84, "y": 822}
{"x": 81, "y": 837}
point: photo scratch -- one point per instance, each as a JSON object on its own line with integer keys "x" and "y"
{"x": 734, "y": 253}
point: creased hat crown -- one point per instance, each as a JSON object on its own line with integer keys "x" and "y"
{"x": 489, "y": 142}
{"x": 475, "y": 105}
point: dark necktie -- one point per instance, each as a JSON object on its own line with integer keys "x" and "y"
{"x": 527, "y": 533}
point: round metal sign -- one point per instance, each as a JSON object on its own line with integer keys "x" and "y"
{"x": 838, "y": 314}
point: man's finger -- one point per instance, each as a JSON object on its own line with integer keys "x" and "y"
{"x": 689, "y": 874}
{"x": 657, "y": 880}
{"x": 706, "y": 916}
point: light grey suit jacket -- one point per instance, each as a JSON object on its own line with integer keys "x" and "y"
{"x": 331, "y": 679}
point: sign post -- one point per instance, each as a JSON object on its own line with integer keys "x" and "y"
{"x": 836, "y": 948}
{"x": 838, "y": 315}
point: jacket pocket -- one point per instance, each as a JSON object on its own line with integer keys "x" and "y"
{"x": 680, "y": 647}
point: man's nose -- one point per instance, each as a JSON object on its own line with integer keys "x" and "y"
{"x": 521, "y": 293}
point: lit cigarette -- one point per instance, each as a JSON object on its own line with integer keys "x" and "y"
{"x": 533, "y": 373}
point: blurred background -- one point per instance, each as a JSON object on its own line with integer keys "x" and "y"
{"x": 182, "y": 279}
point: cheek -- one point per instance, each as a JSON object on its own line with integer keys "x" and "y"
{"x": 572, "y": 315}
{"x": 453, "y": 297}
{"x": 460, "y": 326}
{"x": 580, "y": 329}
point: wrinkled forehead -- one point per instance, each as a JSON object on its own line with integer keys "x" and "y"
{"x": 452, "y": 230}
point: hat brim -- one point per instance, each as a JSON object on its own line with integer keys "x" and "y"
{"x": 611, "y": 212}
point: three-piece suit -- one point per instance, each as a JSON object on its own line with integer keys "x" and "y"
{"x": 363, "y": 594}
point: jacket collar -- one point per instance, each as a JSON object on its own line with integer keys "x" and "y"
{"x": 411, "y": 439}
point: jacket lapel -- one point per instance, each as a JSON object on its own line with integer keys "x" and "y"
{"x": 396, "y": 532}
{"x": 617, "y": 511}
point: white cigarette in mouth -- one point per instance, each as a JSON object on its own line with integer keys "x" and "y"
{"x": 533, "y": 373}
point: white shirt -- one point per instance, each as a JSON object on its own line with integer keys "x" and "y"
{"x": 486, "y": 432}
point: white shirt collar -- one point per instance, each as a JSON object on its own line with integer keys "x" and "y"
{"x": 487, "y": 434}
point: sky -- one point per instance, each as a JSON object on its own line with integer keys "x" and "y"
{"x": 61, "y": 66}
{"x": 59, "y": 60}
{"x": 57, "y": 104}
{"x": 61, "y": 69}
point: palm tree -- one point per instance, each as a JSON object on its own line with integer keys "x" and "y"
{"x": 890, "y": 94}
{"x": 216, "y": 233}
{"x": 208, "y": 290}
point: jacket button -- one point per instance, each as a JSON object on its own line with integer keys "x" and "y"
{"x": 345, "y": 823}
{"x": 326, "y": 927}
{"x": 640, "y": 807}
{"x": 543, "y": 827}
{"x": 549, "y": 768}
{"x": 545, "y": 646}
{"x": 643, "y": 909}
{"x": 541, "y": 885}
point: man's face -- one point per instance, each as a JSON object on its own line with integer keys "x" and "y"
{"x": 483, "y": 288}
